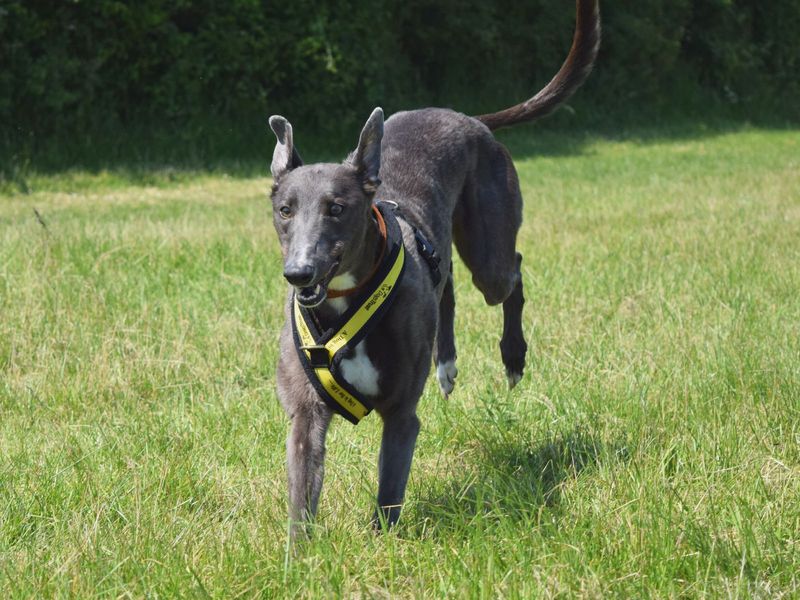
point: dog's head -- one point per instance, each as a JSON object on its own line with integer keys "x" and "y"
{"x": 322, "y": 212}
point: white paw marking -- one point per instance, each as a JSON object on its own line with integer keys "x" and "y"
{"x": 513, "y": 378}
{"x": 360, "y": 372}
{"x": 446, "y": 373}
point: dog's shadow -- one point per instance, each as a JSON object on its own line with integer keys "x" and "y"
{"x": 511, "y": 479}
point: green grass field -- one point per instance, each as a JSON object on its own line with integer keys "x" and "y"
{"x": 652, "y": 449}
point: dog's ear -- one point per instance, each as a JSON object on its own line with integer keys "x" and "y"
{"x": 367, "y": 157}
{"x": 285, "y": 157}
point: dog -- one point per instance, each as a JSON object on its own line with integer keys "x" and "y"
{"x": 438, "y": 178}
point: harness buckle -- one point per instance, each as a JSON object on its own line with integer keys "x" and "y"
{"x": 428, "y": 252}
{"x": 319, "y": 358}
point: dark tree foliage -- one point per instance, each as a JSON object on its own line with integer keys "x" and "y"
{"x": 69, "y": 65}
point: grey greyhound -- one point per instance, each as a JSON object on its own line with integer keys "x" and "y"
{"x": 451, "y": 181}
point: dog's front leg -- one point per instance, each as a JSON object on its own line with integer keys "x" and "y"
{"x": 394, "y": 463}
{"x": 305, "y": 457}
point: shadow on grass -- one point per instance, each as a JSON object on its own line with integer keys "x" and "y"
{"x": 156, "y": 154}
{"x": 555, "y": 140}
{"x": 513, "y": 479}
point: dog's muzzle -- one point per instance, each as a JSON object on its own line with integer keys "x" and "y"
{"x": 312, "y": 296}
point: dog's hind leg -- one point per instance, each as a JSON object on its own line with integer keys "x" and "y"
{"x": 445, "y": 339}
{"x": 305, "y": 457}
{"x": 485, "y": 224}
{"x": 394, "y": 463}
{"x": 512, "y": 345}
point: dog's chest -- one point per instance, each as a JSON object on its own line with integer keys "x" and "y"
{"x": 360, "y": 372}
{"x": 358, "y": 369}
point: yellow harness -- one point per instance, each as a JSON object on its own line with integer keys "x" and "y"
{"x": 321, "y": 352}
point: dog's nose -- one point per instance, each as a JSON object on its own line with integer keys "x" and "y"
{"x": 299, "y": 275}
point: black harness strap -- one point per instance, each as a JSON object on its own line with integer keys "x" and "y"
{"x": 428, "y": 252}
{"x": 426, "y": 249}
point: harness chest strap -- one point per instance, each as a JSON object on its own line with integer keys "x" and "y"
{"x": 321, "y": 354}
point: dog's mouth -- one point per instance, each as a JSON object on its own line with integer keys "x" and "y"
{"x": 314, "y": 295}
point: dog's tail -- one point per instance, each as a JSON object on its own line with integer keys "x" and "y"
{"x": 569, "y": 78}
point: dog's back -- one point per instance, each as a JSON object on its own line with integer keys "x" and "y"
{"x": 455, "y": 182}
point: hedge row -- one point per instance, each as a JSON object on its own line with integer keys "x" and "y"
{"x": 72, "y": 64}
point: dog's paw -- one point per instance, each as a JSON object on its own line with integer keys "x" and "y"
{"x": 514, "y": 370}
{"x": 514, "y": 363}
{"x": 513, "y": 350}
{"x": 446, "y": 373}
{"x": 386, "y": 517}
{"x": 513, "y": 377}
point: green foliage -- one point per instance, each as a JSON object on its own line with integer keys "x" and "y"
{"x": 75, "y": 70}
{"x": 744, "y": 47}
{"x": 641, "y": 48}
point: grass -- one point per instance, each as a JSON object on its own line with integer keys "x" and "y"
{"x": 652, "y": 449}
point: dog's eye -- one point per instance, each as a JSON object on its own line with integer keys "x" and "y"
{"x": 285, "y": 211}
{"x": 335, "y": 210}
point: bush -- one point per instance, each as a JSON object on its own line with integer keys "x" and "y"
{"x": 72, "y": 67}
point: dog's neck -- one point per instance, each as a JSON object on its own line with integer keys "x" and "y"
{"x": 368, "y": 251}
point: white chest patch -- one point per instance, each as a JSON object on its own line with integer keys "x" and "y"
{"x": 360, "y": 372}
{"x": 341, "y": 282}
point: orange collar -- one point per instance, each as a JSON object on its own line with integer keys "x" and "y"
{"x": 382, "y": 231}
